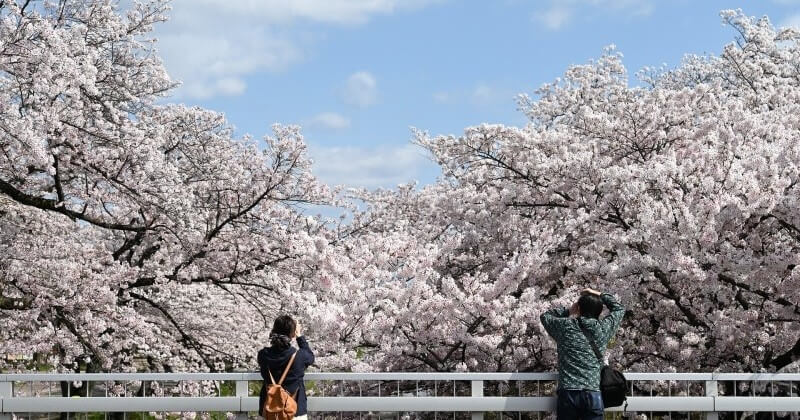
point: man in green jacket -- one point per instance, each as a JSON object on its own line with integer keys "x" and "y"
{"x": 578, "y": 368}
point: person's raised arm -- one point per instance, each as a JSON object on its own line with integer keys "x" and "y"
{"x": 553, "y": 319}
{"x": 611, "y": 322}
{"x": 304, "y": 348}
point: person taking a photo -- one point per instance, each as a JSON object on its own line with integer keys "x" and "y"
{"x": 280, "y": 359}
{"x": 579, "y": 369}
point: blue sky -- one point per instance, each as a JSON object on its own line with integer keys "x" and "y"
{"x": 356, "y": 74}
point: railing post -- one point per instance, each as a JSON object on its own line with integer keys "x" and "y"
{"x": 477, "y": 391}
{"x": 712, "y": 391}
{"x": 242, "y": 391}
{"x": 5, "y": 392}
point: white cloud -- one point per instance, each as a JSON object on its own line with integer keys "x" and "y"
{"x": 227, "y": 86}
{"x": 211, "y": 46}
{"x": 560, "y": 13}
{"x": 442, "y": 97}
{"x": 629, "y": 7}
{"x": 328, "y": 11}
{"x": 553, "y": 18}
{"x": 370, "y": 167}
{"x": 330, "y": 120}
{"x": 360, "y": 89}
{"x": 231, "y": 86}
{"x": 211, "y": 57}
{"x": 482, "y": 93}
{"x": 791, "y": 21}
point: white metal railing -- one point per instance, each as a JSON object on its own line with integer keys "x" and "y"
{"x": 475, "y": 393}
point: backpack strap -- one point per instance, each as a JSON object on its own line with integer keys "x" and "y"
{"x": 594, "y": 346}
{"x": 288, "y": 366}
{"x": 286, "y": 371}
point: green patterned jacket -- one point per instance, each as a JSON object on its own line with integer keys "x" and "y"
{"x": 578, "y": 367}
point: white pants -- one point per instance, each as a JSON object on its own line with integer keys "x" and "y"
{"x": 303, "y": 417}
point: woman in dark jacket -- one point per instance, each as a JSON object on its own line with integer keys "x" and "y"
{"x": 273, "y": 359}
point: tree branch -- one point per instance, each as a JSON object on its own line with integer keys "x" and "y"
{"x": 58, "y": 207}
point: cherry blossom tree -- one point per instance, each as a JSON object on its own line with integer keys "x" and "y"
{"x": 138, "y": 235}
{"x": 679, "y": 194}
{"x": 133, "y": 230}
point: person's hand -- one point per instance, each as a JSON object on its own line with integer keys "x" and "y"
{"x": 574, "y": 310}
{"x": 590, "y": 291}
{"x": 297, "y": 331}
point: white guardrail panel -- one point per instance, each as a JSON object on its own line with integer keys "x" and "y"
{"x": 120, "y": 404}
{"x": 768, "y": 404}
{"x": 426, "y": 376}
{"x": 5, "y": 392}
{"x": 449, "y": 404}
{"x": 100, "y": 377}
{"x": 710, "y": 404}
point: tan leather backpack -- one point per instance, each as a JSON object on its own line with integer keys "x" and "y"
{"x": 279, "y": 405}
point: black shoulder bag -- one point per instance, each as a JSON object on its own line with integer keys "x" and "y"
{"x": 612, "y": 382}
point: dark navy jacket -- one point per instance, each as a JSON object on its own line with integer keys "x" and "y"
{"x": 275, "y": 360}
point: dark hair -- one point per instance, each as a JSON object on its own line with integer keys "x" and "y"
{"x": 283, "y": 329}
{"x": 591, "y": 306}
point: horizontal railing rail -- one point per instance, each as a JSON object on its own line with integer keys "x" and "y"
{"x": 409, "y": 392}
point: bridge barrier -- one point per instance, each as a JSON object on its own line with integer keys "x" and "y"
{"x": 470, "y": 395}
